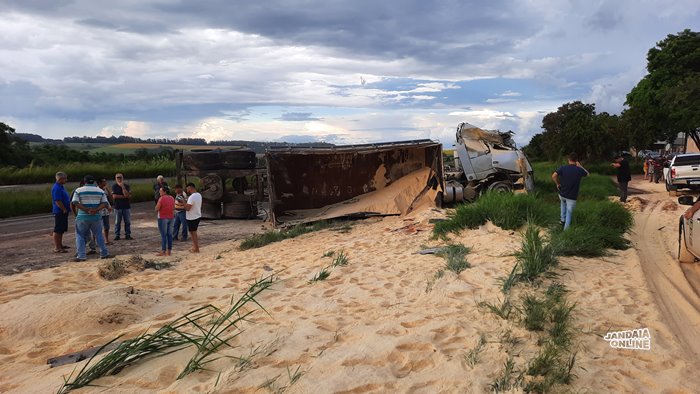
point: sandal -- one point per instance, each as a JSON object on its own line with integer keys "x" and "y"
{"x": 160, "y": 254}
{"x": 60, "y": 251}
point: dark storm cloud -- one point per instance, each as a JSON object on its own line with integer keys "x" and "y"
{"x": 383, "y": 29}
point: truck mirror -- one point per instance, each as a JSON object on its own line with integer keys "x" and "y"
{"x": 685, "y": 200}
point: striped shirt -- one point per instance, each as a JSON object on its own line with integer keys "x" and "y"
{"x": 89, "y": 196}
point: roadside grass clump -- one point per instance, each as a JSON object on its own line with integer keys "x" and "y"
{"x": 506, "y": 210}
{"x": 551, "y": 315}
{"x": 535, "y": 257}
{"x": 340, "y": 260}
{"x": 509, "y": 378}
{"x": 596, "y": 226}
{"x": 504, "y": 310}
{"x": 323, "y": 274}
{"x": 430, "y": 282}
{"x": 271, "y": 236}
{"x": 207, "y": 328}
{"x": 473, "y": 355}
{"x": 454, "y": 255}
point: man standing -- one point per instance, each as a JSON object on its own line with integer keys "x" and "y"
{"x": 89, "y": 200}
{"x": 105, "y": 212}
{"x": 160, "y": 182}
{"x": 568, "y": 180}
{"x": 193, "y": 215}
{"x": 623, "y": 175}
{"x": 61, "y": 202}
{"x": 121, "y": 193}
{"x": 180, "y": 213}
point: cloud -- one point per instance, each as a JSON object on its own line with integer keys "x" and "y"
{"x": 215, "y": 68}
{"x": 297, "y": 117}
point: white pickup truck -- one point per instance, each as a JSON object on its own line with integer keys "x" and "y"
{"x": 684, "y": 172}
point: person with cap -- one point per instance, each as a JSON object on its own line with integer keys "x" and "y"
{"x": 623, "y": 175}
{"x": 121, "y": 193}
{"x": 88, "y": 200}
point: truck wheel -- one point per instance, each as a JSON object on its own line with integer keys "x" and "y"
{"x": 684, "y": 256}
{"x": 501, "y": 187}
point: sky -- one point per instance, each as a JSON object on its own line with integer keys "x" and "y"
{"x": 305, "y": 70}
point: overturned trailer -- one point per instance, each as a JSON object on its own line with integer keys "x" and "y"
{"x": 309, "y": 184}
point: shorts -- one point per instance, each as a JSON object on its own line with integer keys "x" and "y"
{"x": 105, "y": 222}
{"x": 192, "y": 225}
{"x": 60, "y": 222}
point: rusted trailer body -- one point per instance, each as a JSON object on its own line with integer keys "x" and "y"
{"x": 302, "y": 181}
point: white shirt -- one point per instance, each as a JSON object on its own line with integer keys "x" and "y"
{"x": 196, "y": 211}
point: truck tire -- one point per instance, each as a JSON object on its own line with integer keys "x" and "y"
{"x": 213, "y": 188}
{"x": 684, "y": 256}
{"x": 501, "y": 187}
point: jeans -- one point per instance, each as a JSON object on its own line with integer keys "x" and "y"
{"x": 180, "y": 219}
{"x": 567, "y": 209}
{"x": 165, "y": 226}
{"x": 83, "y": 228}
{"x": 623, "y": 191}
{"x": 122, "y": 214}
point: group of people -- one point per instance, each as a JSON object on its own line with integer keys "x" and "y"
{"x": 568, "y": 181}
{"x": 654, "y": 168}
{"x": 93, "y": 202}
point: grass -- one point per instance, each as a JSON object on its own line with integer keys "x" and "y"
{"x": 454, "y": 255}
{"x": 597, "y": 224}
{"x": 508, "y": 379}
{"x": 23, "y": 202}
{"x": 271, "y": 236}
{"x": 472, "y": 356}
{"x": 323, "y": 274}
{"x": 503, "y": 311}
{"x": 45, "y": 174}
{"x": 508, "y": 211}
{"x": 341, "y": 260}
{"x": 207, "y": 328}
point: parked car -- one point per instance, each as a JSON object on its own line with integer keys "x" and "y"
{"x": 684, "y": 172}
{"x": 688, "y": 238}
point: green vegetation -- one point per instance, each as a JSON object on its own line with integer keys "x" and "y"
{"x": 208, "y": 328}
{"x": 454, "y": 255}
{"x": 271, "y": 236}
{"x": 18, "y": 203}
{"x": 76, "y": 170}
{"x": 472, "y": 356}
{"x": 598, "y": 224}
{"x": 340, "y": 260}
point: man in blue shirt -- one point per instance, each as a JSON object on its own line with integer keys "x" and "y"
{"x": 61, "y": 202}
{"x": 89, "y": 200}
{"x": 568, "y": 180}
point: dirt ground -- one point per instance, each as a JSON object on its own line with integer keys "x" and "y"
{"x": 26, "y": 243}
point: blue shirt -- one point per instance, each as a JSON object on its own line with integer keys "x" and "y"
{"x": 90, "y": 196}
{"x": 569, "y": 180}
{"x": 59, "y": 193}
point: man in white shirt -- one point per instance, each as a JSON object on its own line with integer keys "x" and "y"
{"x": 194, "y": 213}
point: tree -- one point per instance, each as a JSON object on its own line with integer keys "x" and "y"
{"x": 13, "y": 151}
{"x": 667, "y": 100}
{"x": 575, "y": 127}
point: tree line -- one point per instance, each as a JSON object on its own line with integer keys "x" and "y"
{"x": 663, "y": 104}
